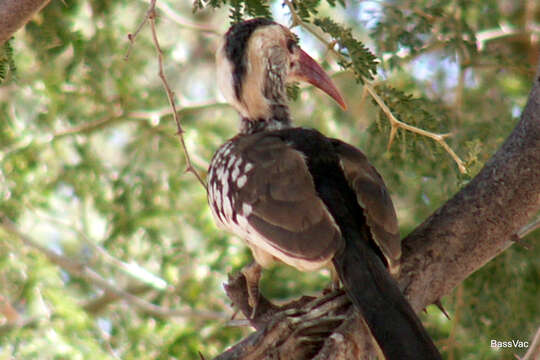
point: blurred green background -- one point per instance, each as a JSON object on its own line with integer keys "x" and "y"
{"x": 91, "y": 168}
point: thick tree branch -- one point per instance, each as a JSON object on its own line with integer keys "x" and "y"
{"x": 474, "y": 226}
{"x": 482, "y": 219}
{"x": 14, "y": 14}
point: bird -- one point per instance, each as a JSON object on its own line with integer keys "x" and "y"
{"x": 301, "y": 198}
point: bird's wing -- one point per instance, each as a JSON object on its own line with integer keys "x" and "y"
{"x": 286, "y": 215}
{"x": 373, "y": 197}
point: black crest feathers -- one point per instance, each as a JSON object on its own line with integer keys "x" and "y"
{"x": 235, "y": 47}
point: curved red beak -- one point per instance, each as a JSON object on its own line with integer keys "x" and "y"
{"x": 309, "y": 71}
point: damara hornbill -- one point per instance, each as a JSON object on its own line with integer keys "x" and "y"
{"x": 298, "y": 196}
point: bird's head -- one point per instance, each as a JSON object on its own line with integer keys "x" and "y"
{"x": 256, "y": 60}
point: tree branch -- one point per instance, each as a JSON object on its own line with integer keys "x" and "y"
{"x": 14, "y": 14}
{"x": 95, "y": 306}
{"x": 534, "y": 349}
{"x": 151, "y": 18}
{"x": 181, "y": 21}
{"x": 77, "y": 268}
{"x": 396, "y": 124}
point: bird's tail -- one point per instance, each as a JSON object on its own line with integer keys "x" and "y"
{"x": 389, "y": 316}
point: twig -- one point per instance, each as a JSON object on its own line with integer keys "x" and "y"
{"x": 142, "y": 114}
{"x": 151, "y": 18}
{"x": 21, "y": 323}
{"x": 132, "y": 37}
{"x": 95, "y": 306}
{"x": 534, "y": 349}
{"x": 132, "y": 270}
{"x": 89, "y": 127}
{"x": 460, "y": 87}
{"x": 170, "y": 95}
{"x": 82, "y": 270}
{"x": 505, "y": 30}
{"x": 86, "y": 127}
{"x": 394, "y": 122}
{"x": 8, "y": 311}
{"x": 182, "y": 21}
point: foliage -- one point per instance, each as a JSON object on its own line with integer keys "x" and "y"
{"x": 239, "y": 9}
{"x": 91, "y": 167}
{"x": 7, "y": 64}
{"x": 362, "y": 61}
{"x": 293, "y": 90}
{"x": 306, "y": 8}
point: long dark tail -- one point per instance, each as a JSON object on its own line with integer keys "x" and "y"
{"x": 375, "y": 294}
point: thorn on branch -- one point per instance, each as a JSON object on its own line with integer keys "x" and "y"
{"x": 131, "y": 37}
{"x": 439, "y": 305}
{"x": 521, "y": 242}
{"x": 527, "y": 229}
{"x": 393, "y": 132}
{"x": 152, "y": 11}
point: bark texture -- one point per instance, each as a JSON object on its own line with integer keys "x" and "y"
{"x": 14, "y": 14}
{"x": 471, "y": 228}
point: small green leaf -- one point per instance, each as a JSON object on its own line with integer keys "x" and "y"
{"x": 7, "y": 63}
{"x": 362, "y": 62}
{"x": 292, "y": 91}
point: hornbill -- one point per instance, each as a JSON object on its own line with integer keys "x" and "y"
{"x": 300, "y": 197}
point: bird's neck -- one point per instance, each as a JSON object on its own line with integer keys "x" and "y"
{"x": 276, "y": 110}
{"x": 277, "y": 118}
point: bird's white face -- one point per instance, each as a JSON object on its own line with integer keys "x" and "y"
{"x": 272, "y": 59}
{"x": 225, "y": 78}
{"x": 266, "y": 56}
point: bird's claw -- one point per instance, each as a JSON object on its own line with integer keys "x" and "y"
{"x": 252, "y": 274}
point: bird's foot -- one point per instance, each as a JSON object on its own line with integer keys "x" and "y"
{"x": 335, "y": 284}
{"x": 252, "y": 273}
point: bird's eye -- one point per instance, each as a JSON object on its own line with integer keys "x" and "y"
{"x": 291, "y": 44}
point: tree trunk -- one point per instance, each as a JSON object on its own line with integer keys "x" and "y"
{"x": 14, "y": 14}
